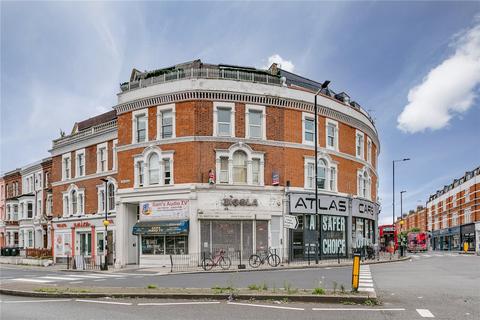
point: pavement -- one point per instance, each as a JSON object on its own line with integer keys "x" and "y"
{"x": 433, "y": 284}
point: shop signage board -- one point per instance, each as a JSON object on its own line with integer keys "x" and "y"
{"x": 305, "y": 203}
{"x": 333, "y": 235}
{"x": 364, "y": 209}
{"x": 290, "y": 222}
{"x": 164, "y": 209}
{"x": 161, "y": 227}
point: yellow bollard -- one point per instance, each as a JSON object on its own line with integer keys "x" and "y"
{"x": 465, "y": 247}
{"x": 356, "y": 272}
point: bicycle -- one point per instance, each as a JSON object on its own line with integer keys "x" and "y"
{"x": 218, "y": 260}
{"x": 270, "y": 257}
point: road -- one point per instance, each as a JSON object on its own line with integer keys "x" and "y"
{"x": 443, "y": 286}
{"x": 305, "y": 278}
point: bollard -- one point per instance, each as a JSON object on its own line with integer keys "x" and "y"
{"x": 308, "y": 254}
{"x": 316, "y": 254}
{"x": 171, "y": 263}
{"x": 338, "y": 254}
{"x": 240, "y": 265}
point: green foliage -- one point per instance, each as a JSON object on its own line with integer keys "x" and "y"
{"x": 318, "y": 291}
{"x": 253, "y": 287}
{"x": 370, "y": 302}
{"x": 415, "y": 229}
{"x": 335, "y": 285}
{"x": 152, "y": 286}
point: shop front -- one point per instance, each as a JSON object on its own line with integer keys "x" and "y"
{"x": 341, "y": 226}
{"x": 162, "y": 230}
{"x": 477, "y": 238}
{"x": 446, "y": 239}
{"x": 83, "y": 237}
{"x": 467, "y": 233}
{"x": 240, "y": 223}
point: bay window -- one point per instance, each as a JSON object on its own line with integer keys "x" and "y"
{"x": 239, "y": 167}
{"x": 154, "y": 169}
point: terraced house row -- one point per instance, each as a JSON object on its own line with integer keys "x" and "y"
{"x": 199, "y": 158}
{"x": 451, "y": 215}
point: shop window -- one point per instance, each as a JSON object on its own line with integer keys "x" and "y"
{"x": 100, "y": 243}
{"x": 154, "y": 169}
{"x": 164, "y": 244}
{"x": 261, "y": 236}
{"x": 239, "y": 167}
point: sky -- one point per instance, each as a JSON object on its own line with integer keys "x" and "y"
{"x": 415, "y": 66}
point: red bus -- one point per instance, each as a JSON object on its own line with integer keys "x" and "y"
{"x": 417, "y": 241}
{"x": 387, "y": 234}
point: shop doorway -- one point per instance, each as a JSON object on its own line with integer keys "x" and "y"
{"x": 85, "y": 244}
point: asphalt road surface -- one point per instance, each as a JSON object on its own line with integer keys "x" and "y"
{"x": 432, "y": 285}
{"x": 305, "y": 278}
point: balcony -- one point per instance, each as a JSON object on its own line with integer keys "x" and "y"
{"x": 101, "y": 128}
{"x": 203, "y": 73}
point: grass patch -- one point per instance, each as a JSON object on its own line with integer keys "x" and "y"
{"x": 220, "y": 290}
{"x": 253, "y": 287}
{"x": 152, "y": 286}
{"x": 318, "y": 291}
{"x": 370, "y": 302}
{"x": 348, "y": 303}
{"x": 48, "y": 290}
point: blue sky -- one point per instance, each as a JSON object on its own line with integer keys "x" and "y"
{"x": 63, "y": 62}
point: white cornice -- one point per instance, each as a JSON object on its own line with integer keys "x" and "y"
{"x": 87, "y": 177}
{"x": 251, "y": 93}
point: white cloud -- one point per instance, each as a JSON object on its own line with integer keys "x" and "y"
{"x": 447, "y": 90}
{"x": 286, "y": 65}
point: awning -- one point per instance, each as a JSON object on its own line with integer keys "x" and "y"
{"x": 175, "y": 227}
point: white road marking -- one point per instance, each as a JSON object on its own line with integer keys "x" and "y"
{"x": 366, "y": 285}
{"x": 35, "y": 301}
{"x": 358, "y": 309}
{"x": 87, "y": 276}
{"x": 60, "y": 278}
{"x": 74, "y": 282}
{"x": 32, "y": 280}
{"x": 425, "y": 313}
{"x": 265, "y": 306}
{"x": 99, "y": 280}
{"x": 107, "y": 275}
{"x": 366, "y": 289}
{"x": 420, "y": 297}
{"x": 176, "y": 303}
{"x": 105, "y": 302}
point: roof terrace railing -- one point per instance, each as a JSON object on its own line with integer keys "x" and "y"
{"x": 207, "y": 73}
{"x": 103, "y": 127}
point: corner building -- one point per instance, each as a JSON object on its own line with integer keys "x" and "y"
{"x": 212, "y": 157}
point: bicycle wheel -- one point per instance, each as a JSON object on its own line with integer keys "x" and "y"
{"x": 254, "y": 261}
{"x": 207, "y": 264}
{"x": 273, "y": 260}
{"x": 225, "y": 263}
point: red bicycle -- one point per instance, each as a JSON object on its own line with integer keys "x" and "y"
{"x": 217, "y": 260}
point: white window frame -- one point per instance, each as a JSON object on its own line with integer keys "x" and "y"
{"x": 99, "y": 164}
{"x": 329, "y": 164}
{"x": 336, "y": 134}
{"x": 251, "y": 154}
{"x": 77, "y": 169}
{"x": 263, "y": 128}
{"x": 369, "y": 150}
{"x": 360, "y": 183}
{"x": 67, "y": 195}
{"x": 310, "y": 116}
{"x": 362, "y": 146}
{"x": 49, "y": 205}
{"x": 101, "y": 202}
{"x": 114, "y": 154}
{"x": 226, "y": 105}
{"x": 64, "y": 157}
{"x": 144, "y": 158}
{"x": 160, "y": 110}
{"x": 135, "y": 115}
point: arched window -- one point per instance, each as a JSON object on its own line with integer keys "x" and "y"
{"x": 74, "y": 202}
{"x": 239, "y": 167}
{"x": 322, "y": 174}
{"x": 154, "y": 169}
{"x": 111, "y": 197}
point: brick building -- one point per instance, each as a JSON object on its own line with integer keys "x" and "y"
{"x": 453, "y": 211}
{"x": 2, "y": 213}
{"x": 211, "y": 157}
{"x": 13, "y": 185}
{"x": 79, "y": 197}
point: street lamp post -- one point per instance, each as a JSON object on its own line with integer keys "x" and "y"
{"x": 105, "y": 223}
{"x": 393, "y": 189}
{"x": 322, "y": 87}
{"x": 401, "y": 203}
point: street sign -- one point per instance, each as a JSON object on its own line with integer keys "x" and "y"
{"x": 290, "y": 222}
